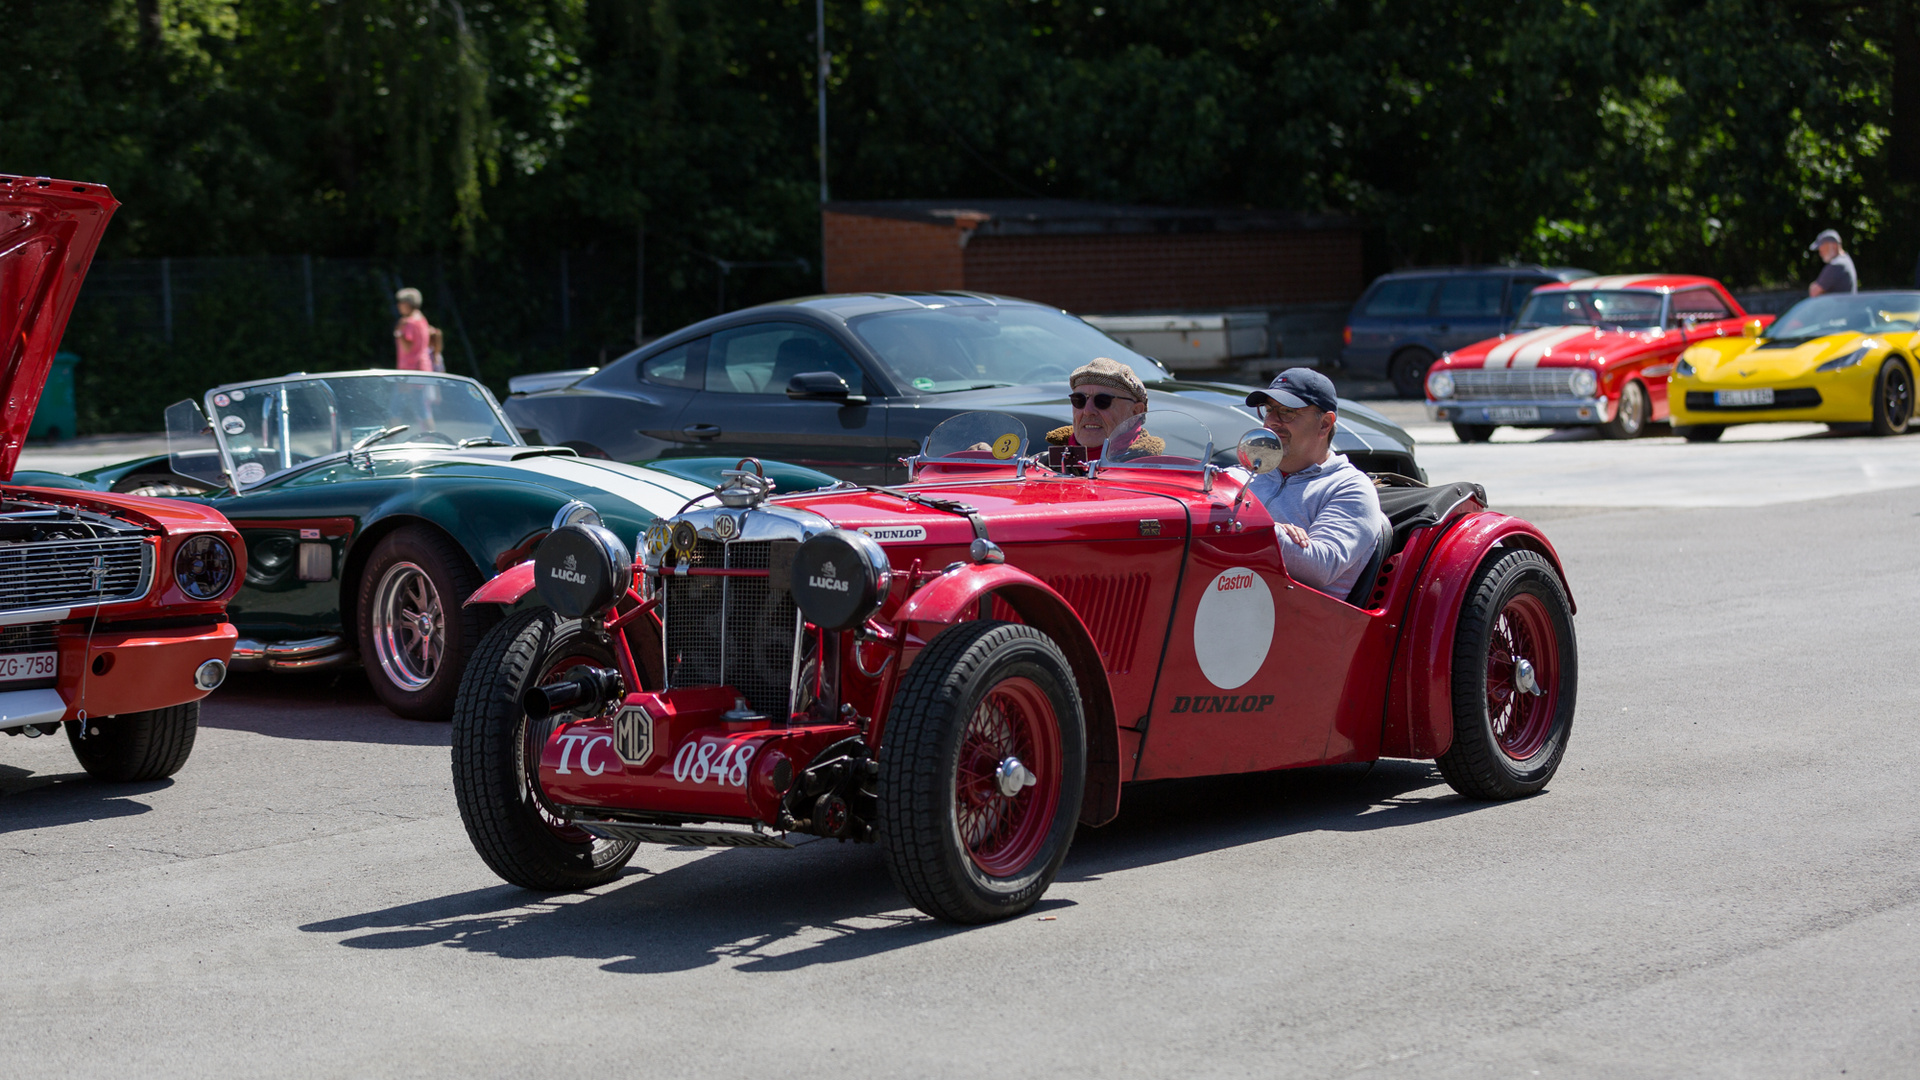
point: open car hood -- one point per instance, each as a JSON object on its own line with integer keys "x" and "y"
{"x": 48, "y": 232}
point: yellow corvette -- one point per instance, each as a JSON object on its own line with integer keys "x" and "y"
{"x": 1845, "y": 358}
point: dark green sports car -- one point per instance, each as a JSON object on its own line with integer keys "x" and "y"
{"x": 372, "y": 503}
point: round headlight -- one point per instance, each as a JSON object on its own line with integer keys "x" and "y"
{"x": 203, "y": 567}
{"x": 581, "y": 570}
{"x": 576, "y": 513}
{"x": 839, "y": 578}
{"x": 1440, "y": 384}
{"x": 1583, "y": 382}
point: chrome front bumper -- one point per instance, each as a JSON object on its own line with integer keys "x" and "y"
{"x": 1557, "y": 412}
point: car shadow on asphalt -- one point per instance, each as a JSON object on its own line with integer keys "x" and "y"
{"x": 827, "y": 902}
{"x": 30, "y": 800}
{"x": 326, "y": 706}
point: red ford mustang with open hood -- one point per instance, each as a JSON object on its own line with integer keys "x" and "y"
{"x": 112, "y": 607}
{"x": 1594, "y": 351}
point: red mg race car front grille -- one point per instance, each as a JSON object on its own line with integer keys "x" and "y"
{"x": 731, "y": 631}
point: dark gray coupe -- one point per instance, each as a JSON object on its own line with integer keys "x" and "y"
{"x": 850, "y": 384}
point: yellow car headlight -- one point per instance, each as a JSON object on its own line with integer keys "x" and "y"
{"x": 1846, "y": 361}
{"x": 1684, "y": 368}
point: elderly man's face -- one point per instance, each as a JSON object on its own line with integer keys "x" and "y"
{"x": 1305, "y": 434}
{"x": 1093, "y": 422}
{"x": 1828, "y": 249}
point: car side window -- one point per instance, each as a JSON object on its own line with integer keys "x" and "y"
{"x": 763, "y": 357}
{"x": 1699, "y": 305}
{"x": 1471, "y": 297}
{"x": 678, "y": 366}
{"x": 1520, "y": 289}
{"x": 1401, "y": 297}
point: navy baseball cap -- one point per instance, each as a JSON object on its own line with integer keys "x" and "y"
{"x": 1297, "y": 388}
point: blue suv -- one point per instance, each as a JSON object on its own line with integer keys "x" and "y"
{"x": 1406, "y": 319}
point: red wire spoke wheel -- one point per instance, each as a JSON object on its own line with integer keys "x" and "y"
{"x": 1515, "y": 672}
{"x": 1013, "y": 727}
{"x": 982, "y": 772}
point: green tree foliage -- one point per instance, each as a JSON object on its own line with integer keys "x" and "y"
{"x": 484, "y": 138}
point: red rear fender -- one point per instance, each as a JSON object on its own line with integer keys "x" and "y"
{"x": 1419, "y": 721}
{"x": 956, "y": 595}
{"x": 506, "y": 587}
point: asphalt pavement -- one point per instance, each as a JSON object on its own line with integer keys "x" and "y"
{"x": 1721, "y": 882}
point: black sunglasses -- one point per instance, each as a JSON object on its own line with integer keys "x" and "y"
{"x": 1100, "y": 401}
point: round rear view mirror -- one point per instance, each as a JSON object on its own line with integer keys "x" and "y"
{"x": 1260, "y": 451}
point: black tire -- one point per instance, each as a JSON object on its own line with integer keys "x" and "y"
{"x": 1470, "y": 433}
{"x": 1700, "y": 432}
{"x": 136, "y": 746}
{"x": 1516, "y": 606}
{"x": 418, "y": 683}
{"x": 510, "y": 822}
{"x": 1892, "y": 398}
{"x": 1408, "y": 370}
{"x": 943, "y": 708}
{"x": 1630, "y": 419}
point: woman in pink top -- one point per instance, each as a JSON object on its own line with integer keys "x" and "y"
{"x": 412, "y": 337}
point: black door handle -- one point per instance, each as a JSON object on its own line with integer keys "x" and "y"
{"x": 702, "y": 431}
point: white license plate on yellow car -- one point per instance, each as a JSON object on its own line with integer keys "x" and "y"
{"x": 1512, "y": 414}
{"x": 21, "y": 667}
{"x": 1762, "y": 396}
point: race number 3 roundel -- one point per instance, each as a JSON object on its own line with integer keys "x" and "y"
{"x": 1233, "y": 627}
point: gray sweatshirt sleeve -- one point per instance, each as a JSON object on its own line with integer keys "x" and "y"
{"x": 1340, "y": 540}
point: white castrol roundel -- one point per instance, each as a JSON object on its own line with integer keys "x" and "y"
{"x": 1233, "y": 627}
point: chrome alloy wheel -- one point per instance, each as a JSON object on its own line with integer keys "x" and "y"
{"x": 409, "y": 626}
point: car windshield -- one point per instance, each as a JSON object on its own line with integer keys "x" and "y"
{"x": 1864, "y": 313}
{"x": 272, "y": 427}
{"x": 1597, "y": 307}
{"x": 975, "y": 346}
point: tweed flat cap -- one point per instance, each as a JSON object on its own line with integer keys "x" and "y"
{"x": 1112, "y": 374}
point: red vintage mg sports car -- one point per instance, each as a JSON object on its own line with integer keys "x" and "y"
{"x": 1591, "y": 352}
{"x": 964, "y": 667}
{"x": 112, "y": 607}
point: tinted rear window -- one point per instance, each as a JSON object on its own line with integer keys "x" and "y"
{"x": 1468, "y": 297}
{"x": 1401, "y": 297}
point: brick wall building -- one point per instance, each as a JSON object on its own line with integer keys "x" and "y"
{"x": 1094, "y": 257}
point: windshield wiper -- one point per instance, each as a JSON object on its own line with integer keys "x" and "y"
{"x": 368, "y": 440}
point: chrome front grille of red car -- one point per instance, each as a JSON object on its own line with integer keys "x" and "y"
{"x": 734, "y": 631}
{"x": 69, "y": 573}
{"x": 1513, "y": 384}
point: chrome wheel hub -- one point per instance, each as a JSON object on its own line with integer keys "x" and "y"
{"x": 1523, "y": 677}
{"x": 1012, "y": 776}
{"x": 409, "y": 627}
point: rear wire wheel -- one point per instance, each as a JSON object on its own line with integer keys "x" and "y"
{"x": 496, "y": 753}
{"x": 1892, "y": 398}
{"x": 982, "y": 771}
{"x": 1515, "y": 672}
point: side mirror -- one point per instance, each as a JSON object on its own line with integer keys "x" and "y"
{"x": 821, "y": 386}
{"x": 1260, "y": 451}
{"x": 1752, "y": 328}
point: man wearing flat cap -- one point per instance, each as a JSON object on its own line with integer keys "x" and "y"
{"x": 1838, "y": 275}
{"x": 1325, "y": 510}
{"x": 1105, "y": 394}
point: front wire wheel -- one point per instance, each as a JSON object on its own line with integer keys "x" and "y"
{"x": 496, "y": 752}
{"x": 1515, "y": 672}
{"x": 982, "y": 772}
{"x": 1892, "y": 398}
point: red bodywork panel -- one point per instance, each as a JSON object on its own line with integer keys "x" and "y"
{"x": 1194, "y": 652}
{"x": 1616, "y": 356}
{"x": 111, "y": 657}
{"x": 506, "y": 587}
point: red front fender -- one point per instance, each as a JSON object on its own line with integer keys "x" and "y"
{"x": 956, "y": 595}
{"x": 507, "y": 587}
{"x": 1419, "y": 721}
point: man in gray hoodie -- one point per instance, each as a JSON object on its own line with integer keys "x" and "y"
{"x": 1326, "y": 512}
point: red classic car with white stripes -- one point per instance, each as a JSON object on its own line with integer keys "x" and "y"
{"x": 1594, "y": 351}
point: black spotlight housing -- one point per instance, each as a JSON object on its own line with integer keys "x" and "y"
{"x": 839, "y": 578}
{"x": 581, "y": 569}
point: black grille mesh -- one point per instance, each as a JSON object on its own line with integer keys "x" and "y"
{"x": 61, "y": 573}
{"x": 32, "y": 637}
{"x": 740, "y": 617}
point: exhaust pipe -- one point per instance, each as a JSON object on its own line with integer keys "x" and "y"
{"x": 588, "y": 687}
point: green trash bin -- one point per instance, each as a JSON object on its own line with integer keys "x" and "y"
{"x": 57, "y": 416}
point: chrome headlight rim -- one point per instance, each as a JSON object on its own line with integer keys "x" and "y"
{"x": 575, "y": 512}
{"x": 1584, "y": 382}
{"x": 203, "y": 566}
{"x": 1440, "y": 384}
